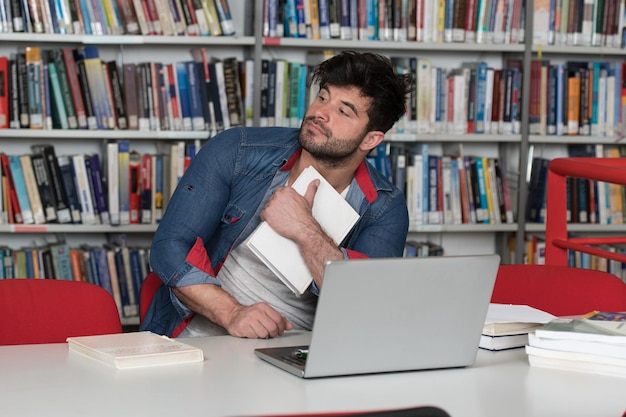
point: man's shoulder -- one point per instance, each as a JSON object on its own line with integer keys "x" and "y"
{"x": 269, "y": 135}
{"x": 260, "y": 135}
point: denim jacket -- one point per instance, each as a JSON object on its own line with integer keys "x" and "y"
{"x": 216, "y": 206}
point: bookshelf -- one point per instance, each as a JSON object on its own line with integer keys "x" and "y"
{"x": 250, "y": 43}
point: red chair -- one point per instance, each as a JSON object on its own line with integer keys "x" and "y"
{"x": 559, "y": 290}
{"x": 558, "y": 242}
{"x": 49, "y": 311}
{"x": 148, "y": 288}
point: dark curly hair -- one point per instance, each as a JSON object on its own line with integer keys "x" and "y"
{"x": 374, "y": 75}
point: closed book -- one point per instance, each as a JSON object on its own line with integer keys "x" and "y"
{"x": 56, "y": 56}
{"x": 20, "y": 189}
{"x": 510, "y": 319}
{"x": 85, "y": 89}
{"x": 74, "y": 87}
{"x": 4, "y": 92}
{"x": 603, "y": 331}
{"x": 134, "y": 187}
{"x": 96, "y": 177}
{"x": 131, "y": 103}
{"x": 183, "y": 95}
{"x": 216, "y": 71}
{"x": 146, "y": 189}
{"x": 123, "y": 164}
{"x": 44, "y": 186}
{"x": 234, "y": 96}
{"x": 112, "y": 182}
{"x": 34, "y": 87}
{"x": 511, "y": 341}
{"x": 121, "y": 119}
{"x": 206, "y": 98}
{"x": 225, "y": 17}
{"x": 282, "y": 255}
{"x": 83, "y": 190}
{"x": 58, "y": 110}
{"x": 135, "y": 349}
{"x": 128, "y": 16}
{"x": 215, "y": 95}
{"x": 66, "y": 173}
{"x": 193, "y": 92}
{"x": 32, "y": 190}
{"x": 61, "y": 261}
{"x": 576, "y": 361}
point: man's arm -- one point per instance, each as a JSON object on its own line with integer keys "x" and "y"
{"x": 254, "y": 321}
{"x": 289, "y": 214}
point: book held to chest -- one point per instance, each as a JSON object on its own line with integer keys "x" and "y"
{"x": 281, "y": 255}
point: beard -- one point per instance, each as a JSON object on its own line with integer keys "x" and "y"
{"x": 333, "y": 151}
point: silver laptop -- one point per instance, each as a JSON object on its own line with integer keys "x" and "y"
{"x": 394, "y": 314}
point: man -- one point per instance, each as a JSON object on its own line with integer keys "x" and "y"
{"x": 213, "y": 283}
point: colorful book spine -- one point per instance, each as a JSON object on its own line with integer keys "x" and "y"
{"x": 20, "y": 189}
{"x": 97, "y": 182}
{"x": 83, "y": 190}
{"x": 69, "y": 187}
{"x": 33, "y": 70}
{"x": 112, "y": 182}
{"x": 183, "y": 93}
{"x": 146, "y": 189}
{"x": 124, "y": 183}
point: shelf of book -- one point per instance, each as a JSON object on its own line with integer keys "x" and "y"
{"x": 464, "y": 228}
{"x": 577, "y": 50}
{"x": 76, "y": 228}
{"x": 374, "y": 45}
{"x": 581, "y": 228}
{"x": 120, "y": 40}
{"x": 573, "y": 139}
{"x": 91, "y": 135}
{"x": 454, "y": 138}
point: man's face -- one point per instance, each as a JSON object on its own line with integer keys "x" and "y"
{"x": 334, "y": 124}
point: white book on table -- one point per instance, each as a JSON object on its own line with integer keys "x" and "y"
{"x": 281, "y": 255}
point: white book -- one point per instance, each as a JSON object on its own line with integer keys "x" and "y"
{"x": 113, "y": 190}
{"x": 135, "y": 349}
{"x": 32, "y": 190}
{"x": 281, "y": 255}
{"x": 221, "y": 85}
{"x": 83, "y": 188}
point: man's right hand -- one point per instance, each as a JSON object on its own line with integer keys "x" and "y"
{"x": 257, "y": 321}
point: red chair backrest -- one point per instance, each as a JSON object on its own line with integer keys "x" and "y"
{"x": 49, "y": 311}
{"x": 559, "y": 290}
{"x": 148, "y": 288}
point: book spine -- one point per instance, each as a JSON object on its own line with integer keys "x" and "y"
{"x": 97, "y": 182}
{"x": 44, "y": 186}
{"x": 20, "y": 189}
{"x": 33, "y": 70}
{"x": 57, "y": 57}
{"x": 124, "y": 182}
{"x": 22, "y": 79}
{"x": 83, "y": 189}
{"x": 112, "y": 183}
{"x": 92, "y": 119}
{"x": 183, "y": 93}
{"x": 69, "y": 187}
{"x": 32, "y": 191}
{"x": 146, "y": 189}
{"x": 4, "y": 93}
{"x": 197, "y": 118}
{"x": 118, "y": 96}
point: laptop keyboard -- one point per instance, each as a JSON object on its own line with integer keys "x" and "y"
{"x": 295, "y": 358}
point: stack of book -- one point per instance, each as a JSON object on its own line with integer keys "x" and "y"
{"x": 594, "y": 344}
{"x": 507, "y": 326}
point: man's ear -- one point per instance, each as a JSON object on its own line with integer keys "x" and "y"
{"x": 372, "y": 139}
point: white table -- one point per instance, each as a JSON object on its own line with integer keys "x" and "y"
{"x": 48, "y": 380}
